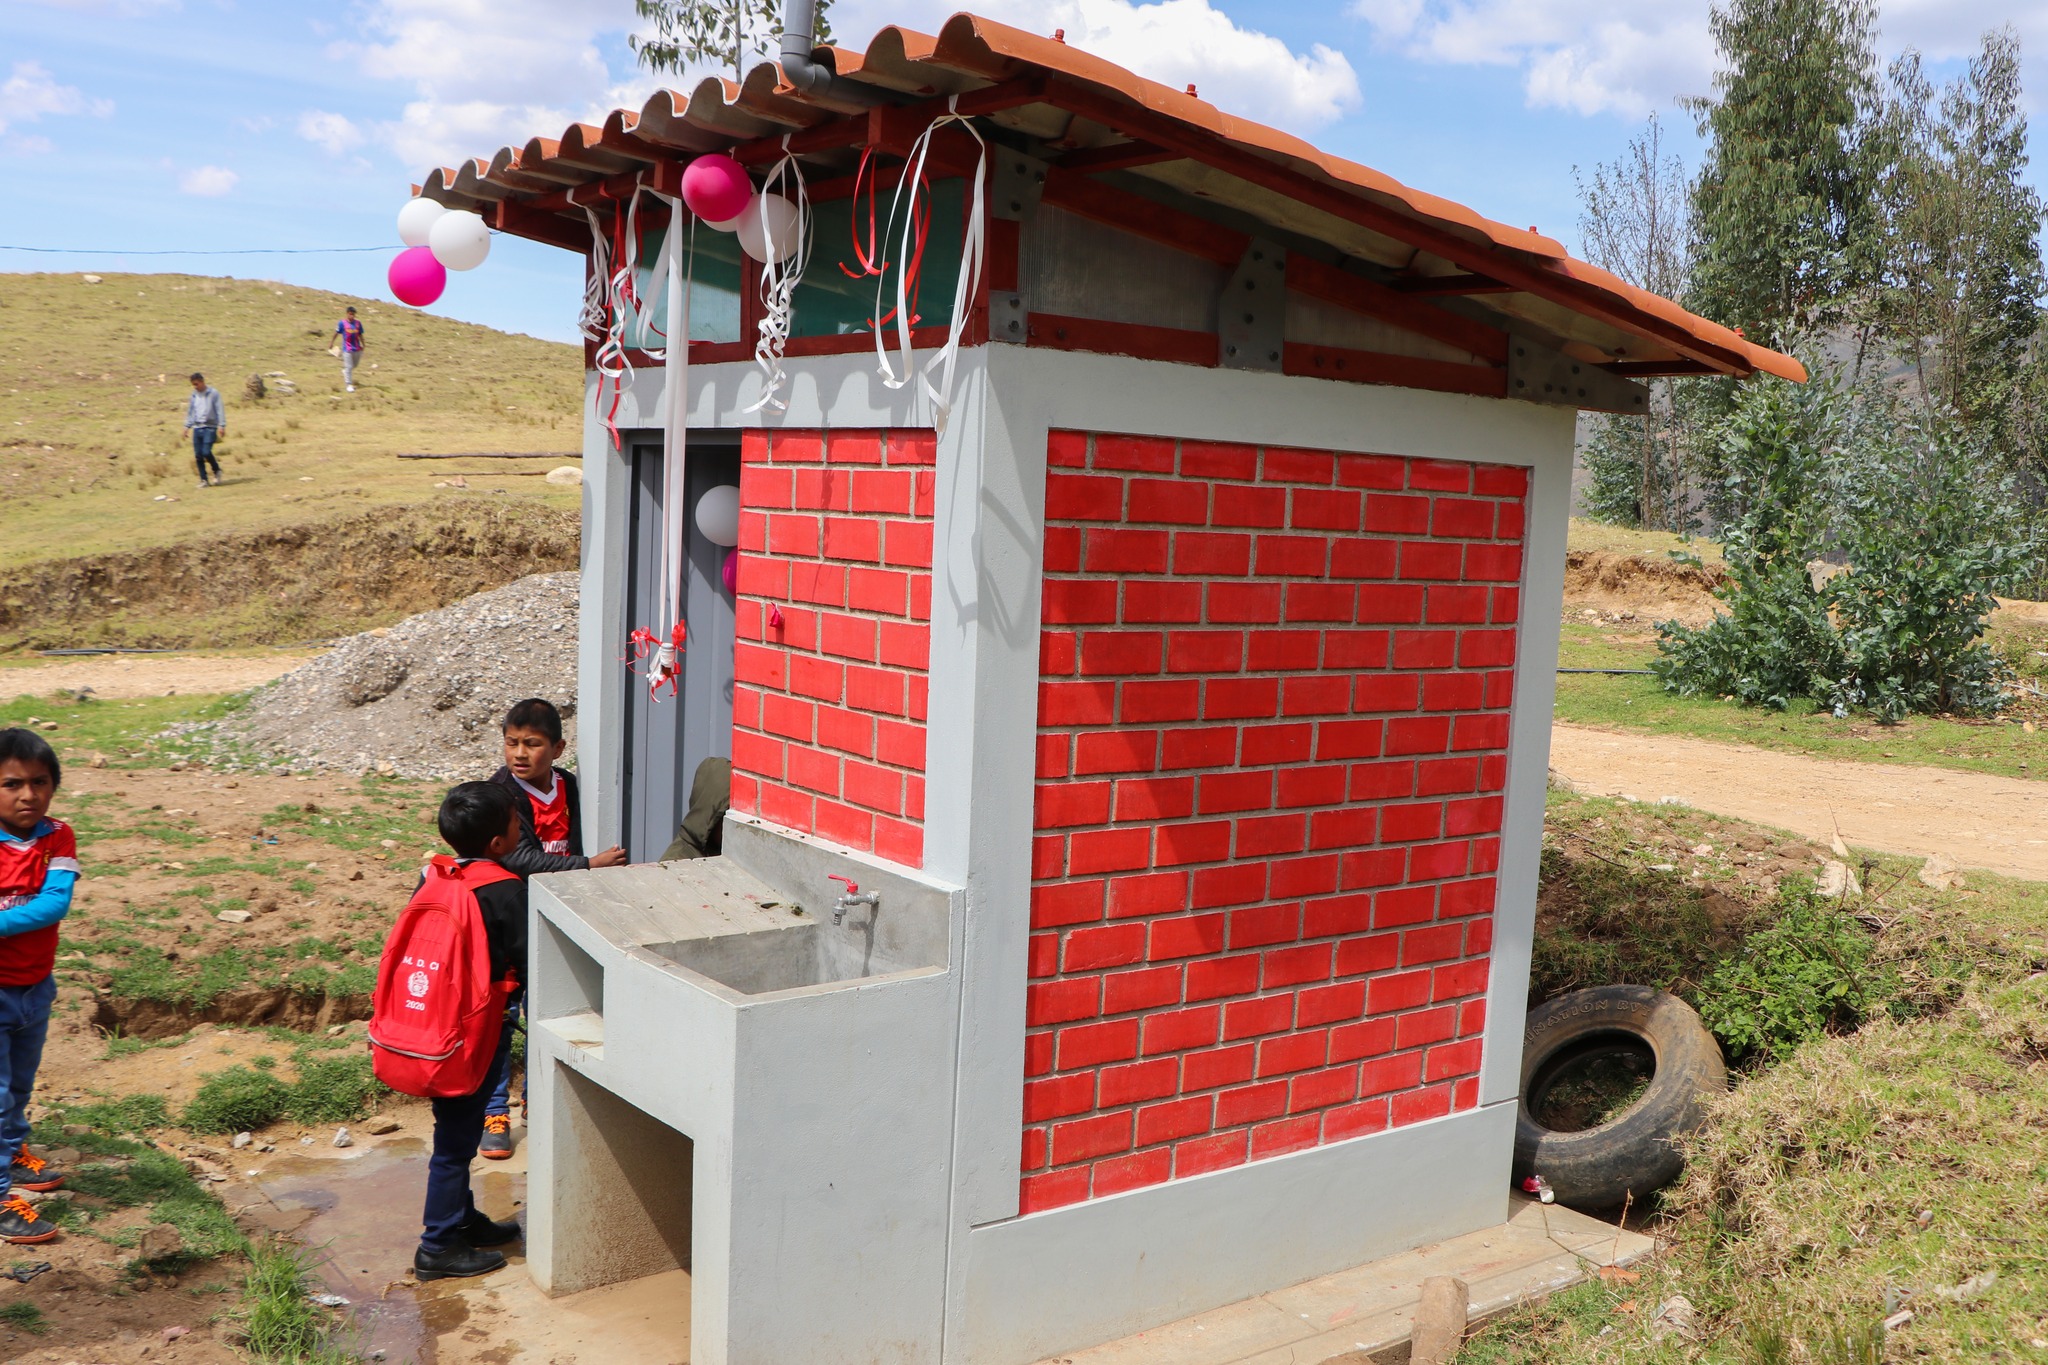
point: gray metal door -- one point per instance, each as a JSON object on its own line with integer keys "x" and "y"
{"x": 666, "y": 739}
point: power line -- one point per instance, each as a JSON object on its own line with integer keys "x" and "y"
{"x": 251, "y": 251}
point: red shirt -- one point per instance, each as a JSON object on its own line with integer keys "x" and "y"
{"x": 26, "y": 959}
{"x": 550, "y": 814}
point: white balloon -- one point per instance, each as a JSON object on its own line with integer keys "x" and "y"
{"x": 718, "y": 515}
{"x": 459, "y": 240}
{"x": 417, "y": 219}
{"x": 769, "y": 219}
{"x": 731, "y": 224}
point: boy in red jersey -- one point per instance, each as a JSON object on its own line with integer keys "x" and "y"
{"x": 550, "y": 840}
{"x": 38, "y": 868}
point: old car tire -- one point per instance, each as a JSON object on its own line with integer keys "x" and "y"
{"x": 1634, "y": 1153}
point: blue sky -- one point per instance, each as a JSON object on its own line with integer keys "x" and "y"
{"x": 213, "y": 124}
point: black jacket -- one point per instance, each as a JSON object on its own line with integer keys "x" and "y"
{"x": 530, "y": 857}
{"x": 503, "y": 907}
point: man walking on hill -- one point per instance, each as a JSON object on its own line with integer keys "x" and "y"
{"x": 207, "y": 421}
{"x": 351, "y": 333}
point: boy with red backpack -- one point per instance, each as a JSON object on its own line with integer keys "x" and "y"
{"x": 437, "y": 1018}
{"x": 550, "y": 840}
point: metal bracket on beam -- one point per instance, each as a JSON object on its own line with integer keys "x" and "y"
{"x": 1015, "y": 183}
{"x": 1538, "y": 374}
{"x": 1008, "y": 318}
{"x": 1251, "y": 313}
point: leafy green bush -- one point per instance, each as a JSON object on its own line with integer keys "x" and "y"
{"x": 237, "y": 1099}
{"x": 1908, "y": 498}
{"x": 334, "y": 1089}
{"x": 1807, "y": 974}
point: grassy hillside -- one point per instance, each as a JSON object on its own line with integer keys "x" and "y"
{"x": 93, "y": 387}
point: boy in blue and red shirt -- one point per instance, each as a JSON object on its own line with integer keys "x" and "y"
{"x": 550, "y": 840}
{"x": 38, "y": 868}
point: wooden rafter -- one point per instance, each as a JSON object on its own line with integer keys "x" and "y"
{"x": 1428, "y": 285}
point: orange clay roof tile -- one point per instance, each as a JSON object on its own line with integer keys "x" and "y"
{"x": 970, "y": 53}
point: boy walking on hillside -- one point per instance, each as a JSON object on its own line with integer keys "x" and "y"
{"x": 207, "y": 420}
{"x": 477, "y": 820}
{"x": 550, "y": 840}
{"x": 350, "y": 338}
{"x": 38, "y": 868}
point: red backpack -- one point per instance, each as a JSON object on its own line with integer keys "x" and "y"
{"x": 435, "y": 1016}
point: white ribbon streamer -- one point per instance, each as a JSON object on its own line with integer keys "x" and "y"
{"x": 971, "y": 253}
{"x": 673, "y": 272}
{"x": 779, "y": 279}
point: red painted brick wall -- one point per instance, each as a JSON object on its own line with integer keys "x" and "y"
{"x": 1273, "y": 722}
{"x": 829, "y": 704}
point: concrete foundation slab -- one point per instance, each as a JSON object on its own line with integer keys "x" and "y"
{"x": 1355, "y": 1314}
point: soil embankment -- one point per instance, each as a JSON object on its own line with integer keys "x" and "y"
{"x": 1640, "y": 587}
{"x": 296, "y": 583}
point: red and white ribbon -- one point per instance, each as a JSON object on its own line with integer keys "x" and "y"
{"x": 936, "y": 379}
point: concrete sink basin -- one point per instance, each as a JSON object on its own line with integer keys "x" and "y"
{"x": 749, "y": 1091}
{"x": 770, "y": 960}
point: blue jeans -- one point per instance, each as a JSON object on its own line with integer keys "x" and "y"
{"x": 24, "y": 1023}
{"x": 501, "y": 1092}
{"x": 458, "y": 1130}
{"x": 202, "y": 450}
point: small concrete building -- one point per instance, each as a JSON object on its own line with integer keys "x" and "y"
{"x": 1170, "y": 668}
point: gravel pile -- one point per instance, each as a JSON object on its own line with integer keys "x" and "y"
{"x": 423, "y": 698}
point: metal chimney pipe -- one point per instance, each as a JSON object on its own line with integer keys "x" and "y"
{"x": 800, "y": 66}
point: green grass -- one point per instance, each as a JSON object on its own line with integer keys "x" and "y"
{"x": 393, "y": 808}
{"x": 23, "y": 1316}
{"x": 128, "y": 1114}
{"x": 1596, "y": 535}
{"x": 2000, "y": 747}
{"x": 1797, "y": 1227}
{"x": 79, "y": 366}
{"x": 283, "y": 1324}
{"x": 126, "y": 732}
{"x": 329, "y": 1088}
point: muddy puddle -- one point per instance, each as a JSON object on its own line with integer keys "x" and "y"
{"x": 361, "y": 1215}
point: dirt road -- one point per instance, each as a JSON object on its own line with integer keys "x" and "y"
{"x": 120, "y": 676}
{"x": 1996, "y": 823}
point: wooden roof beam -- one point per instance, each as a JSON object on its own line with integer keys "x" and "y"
{"x": 1433, "y": 285}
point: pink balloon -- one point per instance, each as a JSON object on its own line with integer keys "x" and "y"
{"x": 416, "y": 277}
{"x": 716, "y": 188}
{"x": 730, "y": 574}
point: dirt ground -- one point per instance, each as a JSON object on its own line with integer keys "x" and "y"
{"x": 114, "y": 677}
{"x": 1976, "y": 819}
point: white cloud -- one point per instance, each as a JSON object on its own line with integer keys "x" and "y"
{"x": 463, "y": 60}
{"x": 336, "y": 133}
{"x": 1585, "y": 56}
{"x": 1175, "y": 42}
{"x": 1574, "y": 54}
{"x": 31, "y": 93}
{"x": 208, "y": 182}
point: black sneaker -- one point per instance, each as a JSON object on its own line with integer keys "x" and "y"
{"x": 31, "y": 1172}
{"x": 497, "y": 1143}
{"x": 480, "y": 1231}
{"x": 21, "y": 1225}
{"x": 458, "y": 1262}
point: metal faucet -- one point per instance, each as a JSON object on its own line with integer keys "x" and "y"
{"x": 852, "y": 897}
